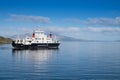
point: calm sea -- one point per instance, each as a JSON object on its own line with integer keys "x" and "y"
{"x": 72, "y": 61}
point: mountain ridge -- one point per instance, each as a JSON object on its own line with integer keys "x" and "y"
{"x": 62, "y": 38}
{"x": 4, "y": 40}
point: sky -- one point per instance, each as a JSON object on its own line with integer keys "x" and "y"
{"x": 82, "y": 19}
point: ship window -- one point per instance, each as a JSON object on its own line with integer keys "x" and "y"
{"x": 29, "y": 41}
{"x": 20, "y": 40}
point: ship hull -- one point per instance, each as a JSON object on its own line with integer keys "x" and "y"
{"x": 36, "y": 46}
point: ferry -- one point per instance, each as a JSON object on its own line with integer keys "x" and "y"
{"x": 38, "y": 40}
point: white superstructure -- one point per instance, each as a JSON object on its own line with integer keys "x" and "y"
{"x": 38, "y": 36}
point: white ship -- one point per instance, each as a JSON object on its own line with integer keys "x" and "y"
{"x": 38, "y": 40}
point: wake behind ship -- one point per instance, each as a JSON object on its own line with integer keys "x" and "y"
{"x": 38, "y": 40}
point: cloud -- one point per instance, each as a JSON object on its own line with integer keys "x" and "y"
{"x": 103, "y": 29}
{"x": 96, "y": 21}
{"x": 103, "y": 21}
{"x": 84, "y": 29}
{"x": 54, "y": 29}
{"x": 62, "y": 29}
{"x": 75, "y": 32}
{"x": 71, "y": 31}
{"x": 75, "y": 20}
{"x": 25, "y": 18}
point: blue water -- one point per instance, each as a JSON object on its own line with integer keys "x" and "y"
{"x": 72, "y": 61}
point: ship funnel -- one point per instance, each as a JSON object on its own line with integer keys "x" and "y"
{"x": 50, "y": 35}
{"x": 33, "y": 35}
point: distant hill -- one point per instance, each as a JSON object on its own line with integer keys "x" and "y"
{"x": 60, "y": 37}
{"x": 21, "y": 36}
{"x": 118, "y": 40}
{"x": 67, "y": 38}
{"x": 4, "y": 40}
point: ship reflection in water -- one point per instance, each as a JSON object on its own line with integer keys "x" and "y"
{"x": 39, "y": 56}
{"x": 33, "y": 64}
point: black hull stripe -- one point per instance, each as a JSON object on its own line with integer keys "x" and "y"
{"x": 35, "y": 45}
